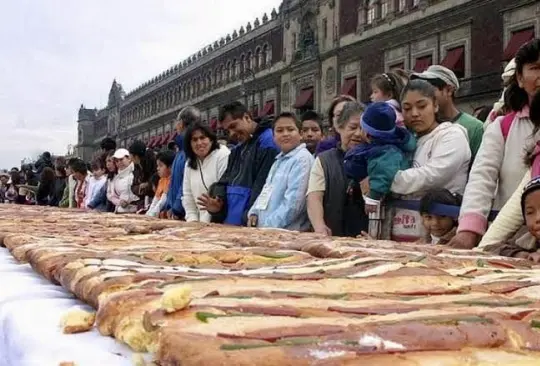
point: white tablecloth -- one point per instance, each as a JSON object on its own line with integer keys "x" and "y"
{"x": 30, "y": 313}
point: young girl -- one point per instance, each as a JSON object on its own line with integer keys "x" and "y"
{"x": 526, "y": 243}
{"x": 164, "y": 163}
{"x": 435, "y": 208}
{"x": 96, "y": 195}
{"x": 281, "y": 203}
{"x": 387, "y": 88}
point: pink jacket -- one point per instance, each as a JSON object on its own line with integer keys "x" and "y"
{"x": 497, "y": 170}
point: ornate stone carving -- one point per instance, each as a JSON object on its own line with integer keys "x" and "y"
{"x": 330, "y": 81}
{"x": 257, "y": 23}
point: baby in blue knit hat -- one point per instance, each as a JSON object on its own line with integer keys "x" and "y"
{"x": 386, "y": 150}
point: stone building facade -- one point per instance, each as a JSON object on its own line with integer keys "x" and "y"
{"x": 312, "y": 50}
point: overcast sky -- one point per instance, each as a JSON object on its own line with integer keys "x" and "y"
{"x": 57, "y": 54}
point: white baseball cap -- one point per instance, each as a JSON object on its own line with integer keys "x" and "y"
{"x": 438, "y": 72}
{"x": 120, "y": 153}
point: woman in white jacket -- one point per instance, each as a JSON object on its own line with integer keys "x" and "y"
{"x": 441, "y": 159}
{"x": 119, "y": 190}
{"x": 206, "y": 161}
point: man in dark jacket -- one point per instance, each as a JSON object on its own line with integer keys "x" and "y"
{"x": 44, "y": 161}
{"x": 230, "y": 199}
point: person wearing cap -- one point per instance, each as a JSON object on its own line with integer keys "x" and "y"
{"x": 386, "y": 150}
{"x": 447, "y": 85}
{"x": 498, "y": 107}
{"x": 119, "y": 190}
{"x": 526, "y": 243}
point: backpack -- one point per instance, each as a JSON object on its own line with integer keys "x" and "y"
{"x": 506, "y": 123}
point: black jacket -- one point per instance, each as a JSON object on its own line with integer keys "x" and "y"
{"x": 244, "y": 179}
{"x": 58, "y": 191}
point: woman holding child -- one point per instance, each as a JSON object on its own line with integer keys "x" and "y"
{"x": 441, "y": 159}
{"x": 334, "y": 206}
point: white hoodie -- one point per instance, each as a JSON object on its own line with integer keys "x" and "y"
{"x": 197, "y": 181}
{"x": 441, "y": 160}
{"x": 120, "y": 190}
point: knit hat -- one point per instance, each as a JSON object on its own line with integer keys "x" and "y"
{"x": 438, "y": 72}
{"x": 530, "y": 187}
{"x": 509, "y": 71}
{"x": 379, "y": 120}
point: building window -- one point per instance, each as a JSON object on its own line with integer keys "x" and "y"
{"x": 371, "y": 15}
{"x": 397, "y": 66}
{"x": 267, "y": 55}
{"x": 233, "y": 68}
{"x": 228, "y": 71}
{"x": 402, "y": 4}
{"x": 518, "y": 38}
{"x": 422, "y": 63}
{"x": 248, "y": 61}
{"x": 416, "y": 3}
{"x": 385, "y": 8}
{"x": 242, "y": 64}
{"x": 294, "y": 41}
{"x": 455, "y": 60}
{"x": 256, "y": 59}
{"x": 371, "y": 12}
{"x": 325, "y": 28}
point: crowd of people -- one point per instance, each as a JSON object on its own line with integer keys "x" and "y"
{"x": 409, "y": 166}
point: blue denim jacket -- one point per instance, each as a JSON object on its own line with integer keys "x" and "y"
{"x": 288, "y": 182}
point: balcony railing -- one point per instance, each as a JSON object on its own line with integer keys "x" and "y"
{"x": 479, "y": 85}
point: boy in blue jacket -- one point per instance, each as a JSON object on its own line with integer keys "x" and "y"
{"x": 386, "y": 150}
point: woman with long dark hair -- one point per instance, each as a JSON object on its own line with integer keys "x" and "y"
{"x": 144, "y": 162}
{"x": 441, "y": 159}
{"x": 510, "y": 219}
{"x": 206, "y": 161}
{"x": 499, "y": 166}
{"x": 45, "y": 187}
{"x": 60, "y": 182}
